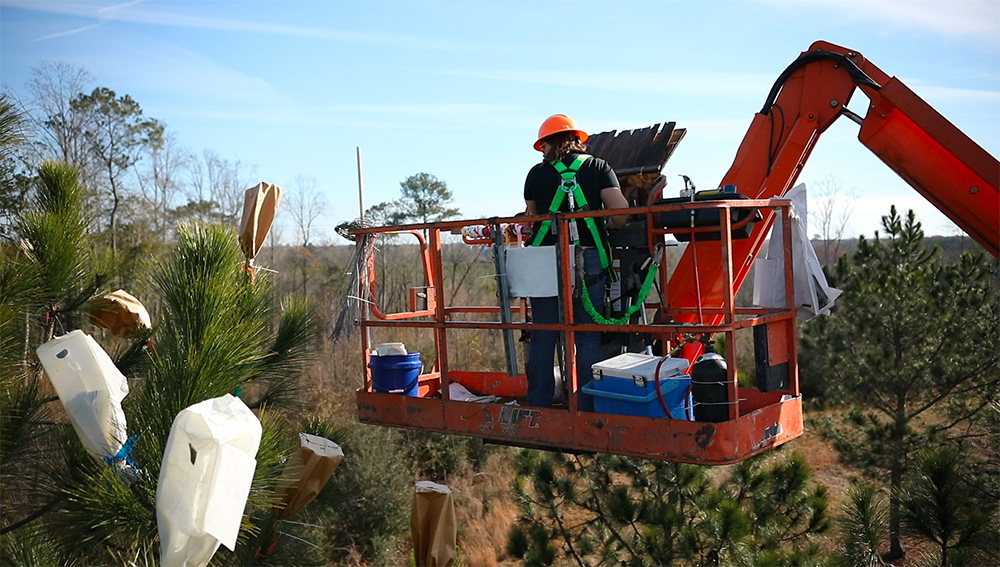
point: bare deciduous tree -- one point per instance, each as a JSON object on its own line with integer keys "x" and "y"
{"x": 160, "y": 183}
{"x": 832, "y": 206}
{"x": 305, "y": 204}
{"x": 52, "y": 87}
{"x": 216, "y": 188}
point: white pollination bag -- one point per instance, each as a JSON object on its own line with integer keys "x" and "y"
{"x": 208, "y": 466}
{"x": 813, "y": 295}
{"x": 90, "y": 387}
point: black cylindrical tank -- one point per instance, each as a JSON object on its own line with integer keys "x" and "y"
{"x": 709, "y": 388}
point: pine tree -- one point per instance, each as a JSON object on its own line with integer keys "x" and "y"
{"x": 912, "y": 348}
{"x": 425, "y": 199}
{"x": 863, "y": 524}
{"x": 940, "y": 504}
{"x": 215, "y": 333}
{"x": 610, "y": 510}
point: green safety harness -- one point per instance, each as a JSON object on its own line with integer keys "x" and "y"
{"x": 577, "y": 202}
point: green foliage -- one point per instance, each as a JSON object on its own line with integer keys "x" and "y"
{"x": 55, "y": 233}
{"x": 115, "y": 133}
{"x": 912, "y": 347}
{"x": 13, "y": 191}
{"x": 31, "y": 547}
{"x": 863, "y": 523}
{"x": 636, "y": 512}
{"x": 367, "y": 504}
{"x": 116, "y": 128}
{"x": 424, "y": 199}
{"x": 940, "y": 505}
{"x": 215, "y": 333}
{"x": 436, "y": 455}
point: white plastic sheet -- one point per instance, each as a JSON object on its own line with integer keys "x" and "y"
{"x": 208, "y": 466}
{"x": 533, "y": 271}
{"x": 813, "y": 295}
{"x": 90, "y": 387}
{"x": 459, "y": 393}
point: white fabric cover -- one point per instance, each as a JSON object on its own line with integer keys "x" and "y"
{"x": 205, "y": 478}
{"x": 90, "y": 387}
{"x": 813, "y": 295}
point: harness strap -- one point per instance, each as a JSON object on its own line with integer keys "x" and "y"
{"x": 570, "y": 186}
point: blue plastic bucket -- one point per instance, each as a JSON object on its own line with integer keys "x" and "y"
{"x": 396, "y": 373}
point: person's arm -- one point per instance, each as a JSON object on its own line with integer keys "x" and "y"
{"x": 612, "y": 198}
{"x": 529, "y": 207}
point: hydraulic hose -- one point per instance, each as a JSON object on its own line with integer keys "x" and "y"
{"x": 859, "y": 76}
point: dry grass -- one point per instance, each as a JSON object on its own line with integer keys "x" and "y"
{"x": 486, "y": 511}
{"x": 825, "y": 464}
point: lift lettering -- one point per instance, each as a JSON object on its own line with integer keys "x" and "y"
{"x": 771, "y": 432}
{"x": 510, "y": 418}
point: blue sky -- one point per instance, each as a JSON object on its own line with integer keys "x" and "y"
{"x": 458, "y": 88}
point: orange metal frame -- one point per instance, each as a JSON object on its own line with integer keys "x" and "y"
{"x": 758, "y": 421}
{"x": 937, "y": 159}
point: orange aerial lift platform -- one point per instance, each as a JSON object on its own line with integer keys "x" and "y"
{"x": 694, "y": 301}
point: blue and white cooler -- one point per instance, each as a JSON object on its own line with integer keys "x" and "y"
{"x": 626, "y": 385}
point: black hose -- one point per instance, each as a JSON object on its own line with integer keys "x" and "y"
{"x": 859, "y": 76}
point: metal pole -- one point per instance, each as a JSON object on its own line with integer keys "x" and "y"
{"x": 510, "y": 350}
{"x": 367, "y": 335}
{"x": 361, "y": 189}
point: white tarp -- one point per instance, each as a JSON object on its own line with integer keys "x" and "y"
{"x": 532, "y": 271}
{"x": 90, "y": 387}
{"x": 205, "y": 478}
{"x": 813, "y": 295}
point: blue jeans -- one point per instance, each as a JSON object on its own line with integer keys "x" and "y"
{"x": 541, "y": 349}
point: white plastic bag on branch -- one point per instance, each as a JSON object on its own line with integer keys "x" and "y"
{"x": 207, "y": 470}
{"x": 90, "y": 387}
{"x": 813, "y": 295}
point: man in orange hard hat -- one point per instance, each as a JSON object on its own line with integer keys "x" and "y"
{"x": 569, "y": 180}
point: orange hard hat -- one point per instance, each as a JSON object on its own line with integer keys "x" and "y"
{"x": 555, "y": 124}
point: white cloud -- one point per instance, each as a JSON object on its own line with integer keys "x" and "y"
{"x": 135, "y": 12}
{"x": 962, "y": 19}
{"x": 69, "y": 32}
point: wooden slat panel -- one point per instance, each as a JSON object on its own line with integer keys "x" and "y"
{"x": 644, "y": 150}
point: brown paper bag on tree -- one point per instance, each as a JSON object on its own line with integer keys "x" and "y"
{"x": 433, "y": 526}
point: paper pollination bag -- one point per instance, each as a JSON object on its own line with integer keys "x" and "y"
{"x": 433, "y": 525}
{"x": 91, "y": 389}
{"x": 120, "y": 313}
{"x": 260, "y": 206}
{"x": 205, "y": 479}
{"x": 318, "y": 459}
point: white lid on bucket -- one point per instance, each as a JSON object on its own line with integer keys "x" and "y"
{"x": 388, "y": 349}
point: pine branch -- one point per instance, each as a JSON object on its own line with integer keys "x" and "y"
{"x": 33, "y": 516}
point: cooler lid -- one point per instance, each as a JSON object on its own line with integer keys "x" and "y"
{"x": 631, "y": 365}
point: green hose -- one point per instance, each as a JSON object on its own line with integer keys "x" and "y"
{"x": 588, "y": 305}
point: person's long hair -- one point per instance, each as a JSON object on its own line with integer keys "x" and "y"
{"x": 563, "y": 144}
